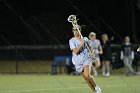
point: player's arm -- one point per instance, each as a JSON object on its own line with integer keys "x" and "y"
{"x": 122, "y": 53}
{"x": 100, "y": 50}
{"x": 132, "y": 53}
{"x": 121, "y": 56}
{"x": 78, "y": 49}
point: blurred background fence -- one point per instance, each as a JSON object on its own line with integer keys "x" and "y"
{"x": 44, "y": 59}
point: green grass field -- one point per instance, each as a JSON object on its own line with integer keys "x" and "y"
{"x": 66, "y": 84}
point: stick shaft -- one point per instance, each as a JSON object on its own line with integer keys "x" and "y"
{"x": 82, "y": 37}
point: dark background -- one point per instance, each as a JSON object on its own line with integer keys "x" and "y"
{"x": 44, "y": 22}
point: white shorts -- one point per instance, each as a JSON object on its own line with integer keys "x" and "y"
{"x": 80, "y": 67}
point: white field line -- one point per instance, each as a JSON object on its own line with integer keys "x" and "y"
{"x": 55, "y": 89}
{"x": 49, "y": 89}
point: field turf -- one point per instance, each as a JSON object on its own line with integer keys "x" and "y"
{"x": 66, "y": 84}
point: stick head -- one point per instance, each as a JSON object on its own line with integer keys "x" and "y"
{"x": 71, "y": 18}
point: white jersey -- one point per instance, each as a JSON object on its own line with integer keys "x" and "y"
{"x": 82, "y": 58}
{"x": 95, "y": 46}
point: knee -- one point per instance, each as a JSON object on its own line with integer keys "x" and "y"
{"x": 97, "y": 66}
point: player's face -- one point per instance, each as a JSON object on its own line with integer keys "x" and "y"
{"x": 104, "y": 37}
{"x": 92, "y": 37}
{"x": 76, "y": 33}
{"x": 127, "y": 39}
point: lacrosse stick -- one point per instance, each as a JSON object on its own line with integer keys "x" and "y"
{"x": 72, "y": 19}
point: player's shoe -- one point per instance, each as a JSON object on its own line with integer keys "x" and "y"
{"x": 98, "y": 89}
{"x": 107, "y": 74}
{"x": 103, "y": 73}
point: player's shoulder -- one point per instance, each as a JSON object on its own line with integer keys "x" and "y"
{"x": 72, "y": 40}
{"x": 97, "y": 40}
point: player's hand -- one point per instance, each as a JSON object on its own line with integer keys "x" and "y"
{"x": 86, "y": 39}
{"x": 83, "y": 42}
{"x": 100, "y": 52}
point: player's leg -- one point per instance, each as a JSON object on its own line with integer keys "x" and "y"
{"x": 94, "y": 71}
{"x": 126, "y": 64}
{"x": 88, "y": 82}
{"x": 97, "y": 65}
{"x": 87, "y": 70}
{"x": 107, "y": 67}
{"x": 130, "y": 65}
{"x": 103, "y": 68}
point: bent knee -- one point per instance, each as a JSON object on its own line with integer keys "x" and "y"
{"x": 97, "y": 66}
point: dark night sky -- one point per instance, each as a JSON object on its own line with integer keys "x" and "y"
{"x": 39, "y": 22}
